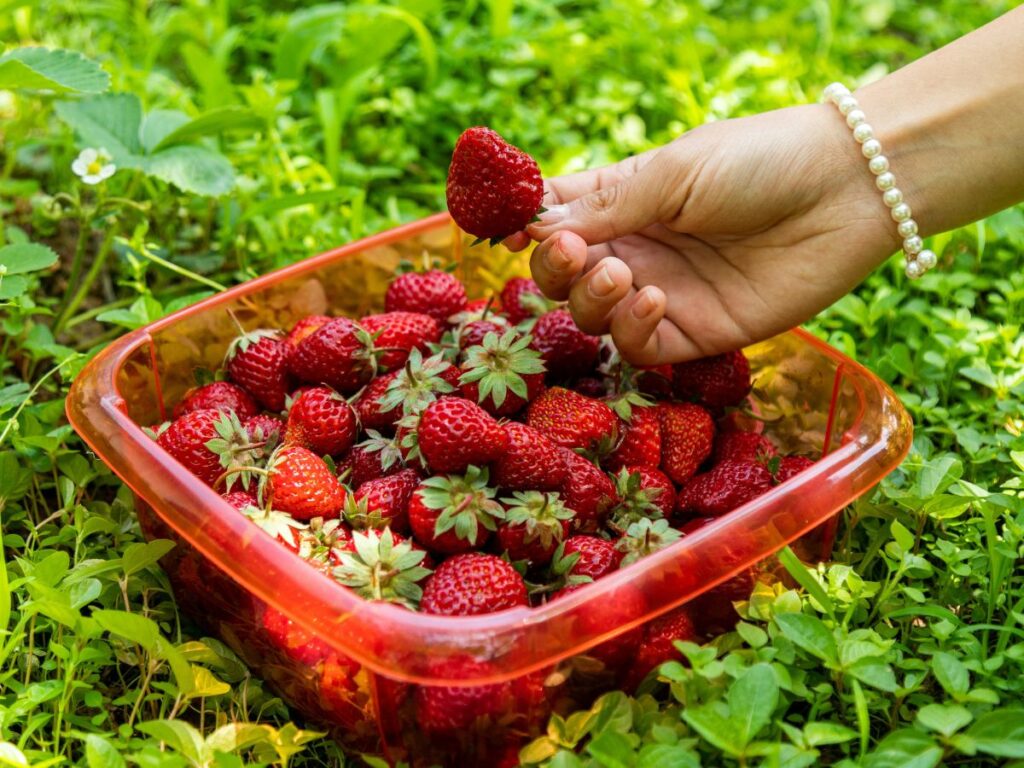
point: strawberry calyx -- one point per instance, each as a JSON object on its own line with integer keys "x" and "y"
{"x": 358, "y": 514}
{"x": 559, "y": 574}
{"x": 636, "y": 503}
{"x": 466, "y": 502}
{"x": 238, "y": 453}
{"x": 249, "y": 338}
{"x": 541, "y": 514}
{"x": 644, "y": 537}
{"x": 378, "y": 568}
{"x": 417, "y": 385}
{"x": 498, "y": 365}
{"x": 388, "y": 447}
{"x": 624, "y": 402}
{"x": 280, "y": 525}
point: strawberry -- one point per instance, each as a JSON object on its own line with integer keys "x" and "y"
{"x": 291, "y": 639}
{"x": 566, "y": 349}
{"x": 593, "y": 557}
{"x": 658, "y": 644}
{"x": 369, "y": 408}
{"x": 282, "y": 527}
{"x": 745, "y": 446}
{"x": 572, "y": 420}
{"x": 303, "y": 328}
{"x": 435, "y": 293}
{"x": 454, "y": 433}
{"x": 380, "y": 568}
{"x": 530, "y": 462}
{"x": 725, "y": 487}
{"x": 377, "y": 456}
{"x": 383, "y": 501}
{"x": 241, "y": 500}
{"x": 418, "y": 384}
{"x": 445, "y": 709}
{"x": 502, "y": 373}
{"x": 339, "y": 692}
{"x": 717, "y": 382}
{"x": 645, "y": 537}
{"x": 338, "y": 354}
{"x": 398, "y": 333}
{"x": 188, "y": 437}
{"x": 522, "y": 299}
{"x": 322, "y": 420}
{"x": 655, "y": 381}
{"x": 454, "y": 514}
{"x": 494, "y": 189}
{"x": 300, "y": 483}
{"x": 218, "y": 396}
{"x": 534, "y": 525}
{"x": 591, "y": 386}
{"x": 473, "y": 584}
{"x": 640, "y": 445}
{"x": 687, "y": 434}
{"x": 264, "y": 429}
{"x": 624, "y": 605}
{"x": 473, "y": 333}
{"x": 587, "y": 491}
{"x": 642, "y": 492}
{"x": 790, "y": 466}
{"x": 258, "y": 361}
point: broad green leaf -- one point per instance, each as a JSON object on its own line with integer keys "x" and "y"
{"x": 946, "y": 719}
{"x": 283, "y": 203}
{"x": 11, "y": 755}
{"x": 205, "y": 683}
{"x": 667, "y": 756}
{"x": 805, "y": 579}
{"x": 237, "y": 736}
{"x": 715, "y": 729}
{"x": 193, "y": 169}
{"x": 179, "y": 736}
{"x": 130, "y": 626}
{"x": 110, "y": 122}
{"x": 13, "y": 287}
{"x": 907, "y": 748}
{"x": 951, "y": 674}
{"x": 157, "y": 125}
{"x": 100, "y": 753}
{"x": 822, "y": 733}
{"x": 611, "y": 750}
{"x": 1000, "y": 732}
{"x": 210, "y": 123}
{"x": 810, "y": 634}
{"x": 902, "y": 536}
{"x": 752, "y": 700}
{"x": 25, "y": 257}
{"x": 874, "y": 672}
{"x": 51, "y": 69}
{"x": 141, "y": 555}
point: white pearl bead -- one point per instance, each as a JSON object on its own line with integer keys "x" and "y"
{"x": 855, "y": 118}
{"x": 927, "y": 259}
{"x": 907, "y": 228}
{"x": 871, "y": 148}
{"x": 892, "y": 197}
{"x": 847, "y": 104}
{"x": 900, "y": 213}
{"x": 863, "y": 132}
{"x": 834, "y": 91}
{"x": 914, "y": 270}
{"x": 913, "y": 245}
{"x": 885, "y": 181}
{"x": 879, "y": 164}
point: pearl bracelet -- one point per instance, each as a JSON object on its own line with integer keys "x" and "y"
{"x": 918, "y": 258}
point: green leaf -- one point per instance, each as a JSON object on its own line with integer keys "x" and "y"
{"x": 100, "y": 753}
{"x": 210, "y": 123}
{"x": 906, "y": 748}
{"x": 951, "y": 674}
{"x": 805, "y": 579}
{"x": 667, "y": 756}
{"x": 820, "y": 734}
{"x": 11, "y": 755}
{"x": 874, "y": 672}
{"x": 193, "y": 169}
{"x": 179, "y": 736}
{"x": 716, "y": 730}
{"x": 611, "y": 750}
{"x": 752, "y": 700}
{"x": 138, "y": 556}
{"x": 810, "y": 634}
{"x": 51, "y": 69}
{"x": 1000, "y": 732}
{"x": 157, "y": 125}
{"x": 110, "y": 122}
{"x": 25, "y": 257}
{"x": 946, "y": 719}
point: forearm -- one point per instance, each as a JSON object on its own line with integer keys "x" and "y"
{"x": 952, "y": 125}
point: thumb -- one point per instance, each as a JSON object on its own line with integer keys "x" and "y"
{"x": 609, "y": 212}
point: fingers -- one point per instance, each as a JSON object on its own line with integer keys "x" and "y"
{"x": 634, "y": 326}
{"x": 517, "y": 242}
{"x": 593, "y": 298}
{"x": 557, "y": 262}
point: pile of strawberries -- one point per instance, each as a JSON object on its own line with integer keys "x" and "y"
{"x": 463, "y": 457}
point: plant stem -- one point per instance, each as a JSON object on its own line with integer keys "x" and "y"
{"x": 95, "y": 268}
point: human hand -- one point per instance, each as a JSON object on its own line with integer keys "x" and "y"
{"x": 734, "y": 232}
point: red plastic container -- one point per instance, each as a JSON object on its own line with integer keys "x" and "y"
{"x": 367, "y": 669}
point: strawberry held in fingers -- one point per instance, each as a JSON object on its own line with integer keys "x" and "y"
{"x": 396, "y": 334}
{"x": 494, "y": 189}
{"x": 717, "y": 382}
{"x": 218, "y": 396}
{"x": 338, "y": 354}
{"x": 434, "y": 292}
{"x": 687, "y": 435}
{"x": 322, "y": 420}
{"x": 258, "y": 361}
{"x": 566, "y": 349}
{"x": 300, "y": 483}
{"x": 502, "y": 373}
{"x": 572, "y": 420}
{"x": 454, "y": 514}
{"x": 530, "y": 462}
{"x": 454, "y": 433}
{"x": 534, "y": 525}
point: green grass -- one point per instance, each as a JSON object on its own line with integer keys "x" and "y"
{"x": 335, "y": 121}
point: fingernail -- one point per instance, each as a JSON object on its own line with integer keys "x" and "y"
{"x": 601, "y": 284}
{"x": 556, "y": 259}
{"x": 553, "y": 214}
{"x": 643, "y": 306}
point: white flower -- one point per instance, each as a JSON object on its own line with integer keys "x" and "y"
{"x": 93, "y": 165}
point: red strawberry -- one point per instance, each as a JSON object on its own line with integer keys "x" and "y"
{"x": 609, "y": 613}
{"x": 449, "y": 709}
{"x": 591, "y": 386}
{"x": 494, "y": 189}
{"x": 522, "y": 299}
{"x": 304, "y": 327}
{"x": 383, "y": 501}
{"x": 291, "y": 639}
{"x": 187, "y": 439}
{"x": 531, "y": 461}
{"x": 566, "y": 349}
{"x": 241, "y": 500}
{"x": 658, "y": 645}
{"x": 745, "y": 446}
{"x": 301, "y": 484}
{"x": 435, "y": 293}
{"x": 339, "y": 354}
{"x": 258, "y": 361}
{"x": 322, "y": 420}
{"x": 655, "y": 381}
{"x": 377, "y": 456}
{"x": 266, "y": 429}
{"x": 454, "y": 514}
{"x": 399, "y": 334}
{"x": 790, "y": 466}
{"x": 218, "y": 396}
{"x": 534, "y": 525}
{"x": 572, "y": 420}
{"x": 640, "y": 445}
{"x": 587, "y": 491}
{"x": 725, "y": 487}
{"x": 339, "y": 691}
{"x": 595, "y": 557}
{"x": 473, "y": 584}
{"x": 455, "y": 433}
{"x": 642, "y": 492}
{"x": 473, "y": 333}
{"x": 369, "y": 406}
{"x": 687, "y": 434}
{"x": 502, "y": 373}
{"x": 717, "y": 382}
{"x": 379, "y": 566}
